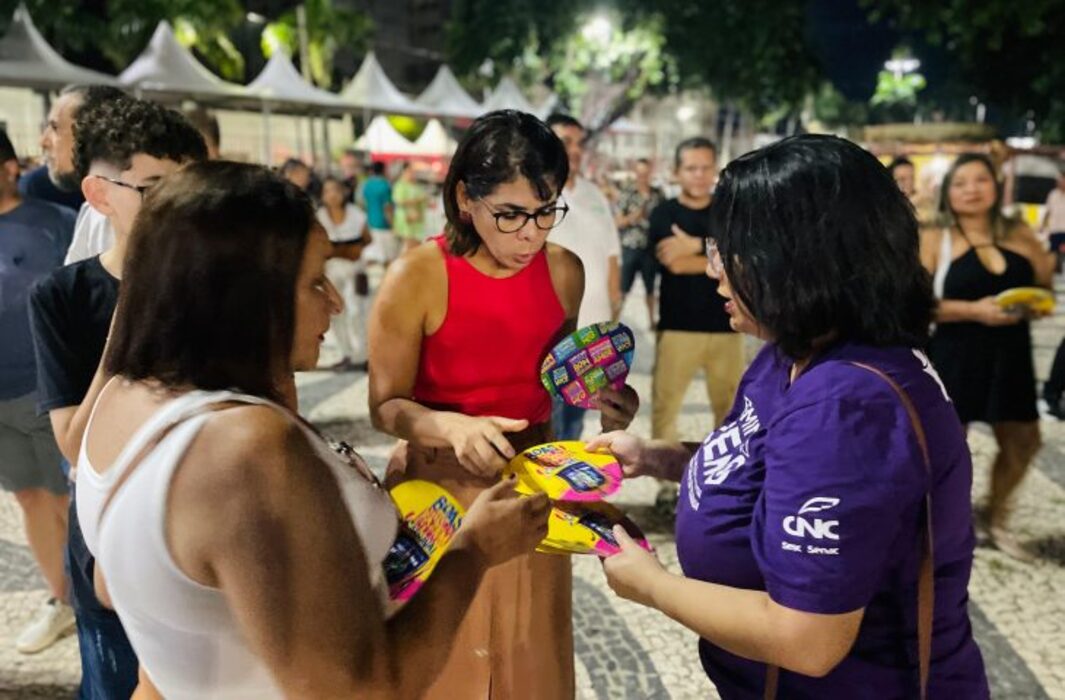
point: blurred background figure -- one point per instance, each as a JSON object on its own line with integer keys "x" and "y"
{"x": 634, "y": 205}
{"x": 409, "y": 199}
{"x": 349, "y": 233}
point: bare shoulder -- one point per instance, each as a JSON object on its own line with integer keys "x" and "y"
{"x": 243, "y": 445}
{"x": 416, "y": 263}
{"x": 567, "y": 277}
{"x": 563, "y": 260}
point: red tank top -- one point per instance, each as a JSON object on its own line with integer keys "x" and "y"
{"x": 485, "y": 358}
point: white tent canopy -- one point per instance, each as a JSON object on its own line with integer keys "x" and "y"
{"x": 435, "y": 140}
{"x": 446, "y": 98}
{"x": 381, "y": 137}
{"x": 165, "y": 66}
{"x": 508, "y": 95}
{"x": 624, "y": 125}
{"x": 371, "y": 89}
{"x": 26, "y": 59}
{"x": 279, "y": 82}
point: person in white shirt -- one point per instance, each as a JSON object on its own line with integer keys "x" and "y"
{"x": 1053, "y": 225}
{"x": 589, "y": 232}
{"x": 93, "y": 235}
{"x": 347, "y": 228}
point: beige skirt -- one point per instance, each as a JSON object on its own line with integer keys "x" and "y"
{"x": 516, "y": 641}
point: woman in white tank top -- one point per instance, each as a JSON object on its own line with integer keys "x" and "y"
{"x": 242, "y": 555}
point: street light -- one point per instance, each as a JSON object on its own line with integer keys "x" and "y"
{"x": 685, "y": 113}
{"x": 255, "y": 18}
{"x": 598, "y": 29}
{"x": 901, "y": 66}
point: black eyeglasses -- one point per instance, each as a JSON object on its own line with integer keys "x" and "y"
{"x": 139, "y": 189}
{"x": 513, "y": 221}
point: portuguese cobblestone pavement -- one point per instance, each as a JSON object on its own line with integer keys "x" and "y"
{"x": 626, "y": 651}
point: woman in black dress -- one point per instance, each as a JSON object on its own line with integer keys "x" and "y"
{"x": 982, "y": 352}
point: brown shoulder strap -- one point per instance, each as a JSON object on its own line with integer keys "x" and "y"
{"x": 926, "y": 578}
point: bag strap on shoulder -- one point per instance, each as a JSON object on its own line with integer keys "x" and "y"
{"x": 926, "y": 578}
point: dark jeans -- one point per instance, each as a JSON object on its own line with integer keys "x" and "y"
{"x": 567, "y": 421}
{"x": 108, "y": 664}
{"x": 640, "y": 262}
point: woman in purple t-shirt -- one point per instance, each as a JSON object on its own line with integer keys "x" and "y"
{"x": 801, "y": 521}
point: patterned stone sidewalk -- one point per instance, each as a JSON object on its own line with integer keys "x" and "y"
{"x": 626, "y": 651}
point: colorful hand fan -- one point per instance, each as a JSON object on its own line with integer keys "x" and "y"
{"x": 586, "y": 528}
{"x": 430, "y": 518}
{"x": 565, "y": 471}
{"x": 586, "y": 361}
{"x": 1034, "y": 299}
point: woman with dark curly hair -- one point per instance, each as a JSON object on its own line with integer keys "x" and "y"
{"x": 824, "y": 530}
{"x": 983, "y": 352}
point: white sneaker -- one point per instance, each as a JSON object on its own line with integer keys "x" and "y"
{"x": 55, "y": 620}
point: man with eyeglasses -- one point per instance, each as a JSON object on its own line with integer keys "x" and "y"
{"x": 122, "y": 147}
{"x": 589, "y": 232}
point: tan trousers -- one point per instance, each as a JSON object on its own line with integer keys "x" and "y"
{"x": 679, "y": 356}
{"x": 516, "y": 641}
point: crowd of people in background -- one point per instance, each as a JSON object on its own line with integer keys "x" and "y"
{"x": 450, "y": 321}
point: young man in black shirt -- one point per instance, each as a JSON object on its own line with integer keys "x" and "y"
{"x": 122, "y": 148}
{"x": 693, "y": 327}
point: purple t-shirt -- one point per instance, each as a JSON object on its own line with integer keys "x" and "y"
{"x": 815, "y": 493}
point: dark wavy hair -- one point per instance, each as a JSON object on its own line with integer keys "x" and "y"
{"x": 118, "y": 128}
{"x": 500, "y": 147}
{"x": 208, "y": 287}
{"x": 819, "y": 244}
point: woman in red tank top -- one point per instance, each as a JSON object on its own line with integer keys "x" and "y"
{"x": 457, "y": 335}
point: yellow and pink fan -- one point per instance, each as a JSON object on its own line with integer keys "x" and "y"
{"x": 565, "y": 471}
{"x": 430, "y": 518}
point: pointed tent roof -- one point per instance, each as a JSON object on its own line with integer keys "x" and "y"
{"x": 624, "y": 125}
{"x": 445, "y": 97}
{"x": 371, "y": 89}
{"x": 26, "y": 59}
{"x": 279, "y": 81}
{"x": 508, "y": 95}
{"x": 165, "y": 66}
{"x": 435, "y": 140}
{"x": 381, "y": 137}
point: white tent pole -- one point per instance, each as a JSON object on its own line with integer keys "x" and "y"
{"x": 327, "y": 150}
{"x": 266, "y": 147}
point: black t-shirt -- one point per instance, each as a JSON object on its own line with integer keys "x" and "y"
{"x": 70, "y": 311}
{"x": 686, "y": 302}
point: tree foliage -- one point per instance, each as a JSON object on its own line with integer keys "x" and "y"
{"x": 109, "y": 35}
{"x": 328, "y": 28}
{"x": 1009, "y": 53}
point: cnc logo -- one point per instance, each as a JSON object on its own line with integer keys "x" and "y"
{"x": 816, "y": 527}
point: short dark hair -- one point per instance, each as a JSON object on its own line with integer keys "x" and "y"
{"x": 1000, "y": 224}
{"x": 206, "y": 123}
{"x": 818, "y": 242}
{"x": 643, "y": 161}
{"x": 208, "y": 288}
{"x": 560, "y": 119}
{"x": 377, "y": 167}
{"x": 899, "y": 162}
{"x": 115, "y": 130}
{"x": 291, "y": 164}
{"x": 500, "y": 147}
{"x": 7, "y": 150}
{"x": 692, "y": 144}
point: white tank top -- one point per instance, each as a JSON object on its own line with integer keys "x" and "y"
{"x": 183, "y": 632}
